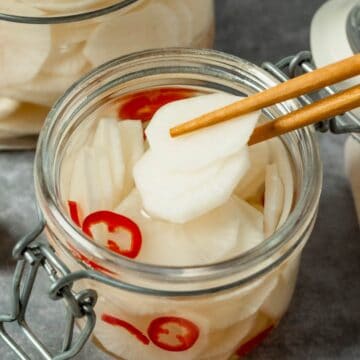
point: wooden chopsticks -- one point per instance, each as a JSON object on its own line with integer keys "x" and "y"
{"x": 320, "y": 110}
{"x": 323, "y": 109}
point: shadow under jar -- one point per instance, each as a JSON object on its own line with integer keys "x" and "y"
{"x": 209, "y": 311}
{"x": 47, "y": 46}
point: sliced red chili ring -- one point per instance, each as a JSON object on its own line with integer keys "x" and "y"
{"x": 127, "y": 326}
{"x": 187, "y": 333}
{"x": 74, "y": 212}
{"x": 115, "y": 221}
{"x": 250, "y": 345}
{"x": 113, "y": 246}
{"x": 143, "y": 105}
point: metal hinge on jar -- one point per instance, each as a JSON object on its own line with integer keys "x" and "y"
{"x": 31, "y": 256}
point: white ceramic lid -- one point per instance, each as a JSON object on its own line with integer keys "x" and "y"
{"x": 333, "y": 30}
{"x": 329, "y": 38}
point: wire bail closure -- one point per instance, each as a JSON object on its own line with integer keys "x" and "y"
{"x": 298, "y": 64}
{"x": 32, "y": 255}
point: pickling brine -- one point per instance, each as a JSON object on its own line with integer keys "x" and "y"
{"x": 196, "y": 200}
{"x": 45, "y": 51}
{"x": 192, "y": 244}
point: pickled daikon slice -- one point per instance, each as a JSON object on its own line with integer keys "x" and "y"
{"x": 182, "y": 178}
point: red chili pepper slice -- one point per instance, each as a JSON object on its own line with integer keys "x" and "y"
{"x": 74, "y": 212}
{"x": 127, "y": 326}
{"x": 143, "y": 105}
{"x": 184, "y": 331}
{"x": 249, "y": 346}
{"x": 113, "y": 246}
{"x": 114, "y": 222}
{"x": 78, "y": 255}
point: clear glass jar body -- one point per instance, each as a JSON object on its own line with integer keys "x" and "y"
{"x": 45, "y": 51}
{"x": 232, "y": 305}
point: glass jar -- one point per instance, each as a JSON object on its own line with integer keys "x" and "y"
{"x": 156, "y": 312}
{"x": 335, "y": 35}
{"x": 49, "y": 45}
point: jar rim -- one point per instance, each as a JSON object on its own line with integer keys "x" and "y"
{"x": 305, "y": 207}
{"x": 69, "y": 18}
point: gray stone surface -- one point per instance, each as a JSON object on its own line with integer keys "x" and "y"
{"x": 324, "y": 319}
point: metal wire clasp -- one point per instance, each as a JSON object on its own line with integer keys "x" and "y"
{"x": 300, "y": 63}
{"x": 31, "y": 255}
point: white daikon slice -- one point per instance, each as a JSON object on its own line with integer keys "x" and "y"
{"x": 279, "y": 299}
{"x": 92, "y": 188}
{"x": 184, "y": 21}
{"x": 160, "y": 239}
{"x": 43, "y": 90}
{"x": 24, "y": 47}
{"x": 202, "y": 12}
{"x": 105, "y": 176}
{"x": 79, "y": 139}
{"x": 108, "y": 139}
{"x": 66, "y": 173}
{"x": 281, "y": 157}
{"x": 91, "y": 183}
{"x": 204, "y": 240}
{"x": 261, "y": 323}
{"x": 251, "y": 228}
{"x": 132, "y": 138}
{"x": 254, "y": 180}
{"x": 83, "y": 183}
{"x": 214, "y": 235}
{"x": 224, "y": 342}
{"x": 120, "y": 342}
{"x": 274, "y": 199}
{"x": 66, "y": 61}
{"x": 180, "y": 197}
{"x": 153, "y": 28}
{"x": 75, "y": 33}
{"x": 236, "y": 305}
{"x": 200, "y": 148}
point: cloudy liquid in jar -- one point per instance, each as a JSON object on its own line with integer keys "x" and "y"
{"x": 215, "y": 326}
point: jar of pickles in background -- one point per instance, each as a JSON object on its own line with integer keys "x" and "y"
{"x": 222, "y": 295}
{"x": 47, "y": 45}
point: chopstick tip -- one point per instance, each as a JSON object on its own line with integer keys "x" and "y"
{"x": 173, "y": 132}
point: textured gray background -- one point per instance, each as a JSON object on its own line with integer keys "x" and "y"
{"x": 324, "y": 318}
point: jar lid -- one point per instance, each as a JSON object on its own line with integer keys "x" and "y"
{"x": 335, "y": 35}
{"x": 353, "y": 29}
{"x": 335, "y": 31}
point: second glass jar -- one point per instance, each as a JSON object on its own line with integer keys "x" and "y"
{"x": 47, "y": 47}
